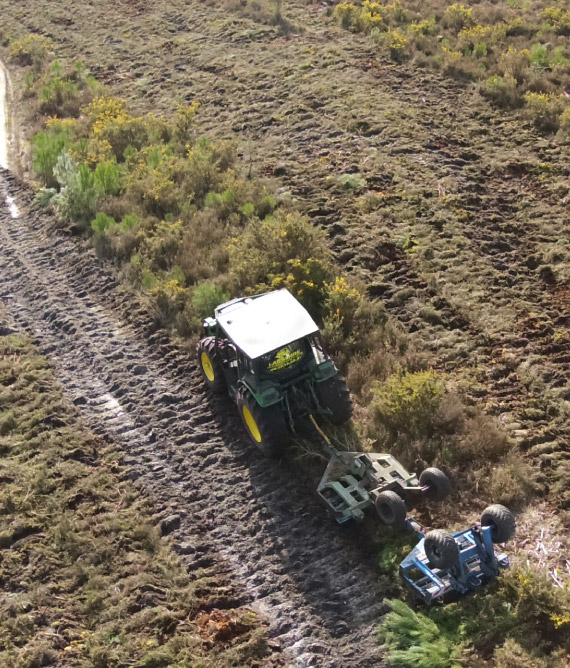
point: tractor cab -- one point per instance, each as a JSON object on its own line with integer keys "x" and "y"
{"x": 267, "y": 351}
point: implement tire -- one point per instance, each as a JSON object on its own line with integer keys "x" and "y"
{"x": 210, "y": 365}
{"x": 502, "y": 522}
{"x": 391, "y": 509}
{"x": 265, "y": 426}
{"x": 441, "y": 549}
{"x": 437, "y": 483}
{"x": 334, "y": 395}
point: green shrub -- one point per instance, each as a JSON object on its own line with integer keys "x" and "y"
{"x": 206, "y": 297}
{"x": 480, "y": 50}
{"x": 544, "y": 109}
{"x": 415, "y": 641}
{"x": 59, "y": 97}
{"x": 47, "y": 147}
{"x": 407, "y": 403}
{"x": 107, "y": 178}
{"x": 538, "y": 56}
{"x": 224, "y": 204}
{"x": 558, "y": 60}
{"x": 352, "y": 181}
{"x": 502, "y": 91}
{"x": 101, "y": 224}
{"x": 129, "y": 221}
{"x": 79, "y": 195}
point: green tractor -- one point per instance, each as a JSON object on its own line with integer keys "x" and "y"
{"x": 267, "y": 353}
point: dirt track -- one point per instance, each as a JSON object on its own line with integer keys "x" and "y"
{"x": 241, "y": 518}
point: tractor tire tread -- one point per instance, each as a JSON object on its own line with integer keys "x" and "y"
{"x": 270, "y": 421}
{"x": 208, "y": 345}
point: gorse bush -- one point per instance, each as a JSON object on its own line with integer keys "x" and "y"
{"x": 408, "y": 402}
{"x": 32, "y": 50}
{"x": 512, "y": 52}
{"x": 545, "y": 109}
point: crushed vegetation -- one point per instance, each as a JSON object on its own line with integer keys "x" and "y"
{"x": 87, "y": 579}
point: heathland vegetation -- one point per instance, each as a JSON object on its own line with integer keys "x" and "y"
{"x": 519, "y": 52}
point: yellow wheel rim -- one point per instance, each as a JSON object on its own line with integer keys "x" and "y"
{"x": 251, "y": 423}
{"x": 207, "y": 366}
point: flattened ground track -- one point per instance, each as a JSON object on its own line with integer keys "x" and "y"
{"x": 241, "y": 517}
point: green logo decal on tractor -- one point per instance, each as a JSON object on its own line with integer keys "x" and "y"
{"x": 284, "y": 358}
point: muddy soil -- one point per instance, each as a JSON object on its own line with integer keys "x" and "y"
{"x": 467, "y": 244}
{"x": 233, "y": 515}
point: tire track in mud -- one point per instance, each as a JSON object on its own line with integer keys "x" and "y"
{"x": 235, "y": 516}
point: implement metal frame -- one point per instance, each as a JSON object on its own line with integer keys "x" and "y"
{"x": 352, "y": 481}
{"x": 478, "y": 564}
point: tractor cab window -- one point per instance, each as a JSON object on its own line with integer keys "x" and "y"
{"x": 318, "y": 351}
{"x": 284, "y": 359}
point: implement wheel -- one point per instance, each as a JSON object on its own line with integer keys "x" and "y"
{"x": 334, "y": 395}
{"x": 210, "y": 365}
{"x": 437, "y": 483}
{"x": 441, "y": 549}
{"x": 266, "y": 427}
{"x": 502, "y": 522}
{"x": 391, "y": 509}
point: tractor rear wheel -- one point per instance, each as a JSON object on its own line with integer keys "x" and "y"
{"x": 502, "y": 522}
{"x": 334, "y": 395}
{"x": 441, "y": 549}
{"x": 437, "y": 483}
{"x": 391, "y": 508}
{"x": 266, "y": 426}
{"x": 210, "y": 365}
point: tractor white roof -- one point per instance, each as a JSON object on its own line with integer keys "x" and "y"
{"x": 258, "y": 325}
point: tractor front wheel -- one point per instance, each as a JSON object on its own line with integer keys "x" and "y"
{"x": 333, "y": 394}
{"x": 441, "y": 549}
{"x": 266, "y": 426}
{"x": 502, "y": 522}
{"x": 210, "y": 365}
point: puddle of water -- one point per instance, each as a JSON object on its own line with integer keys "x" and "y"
{"x": 3, "y": 121}
{"x": 12, "y": 208}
